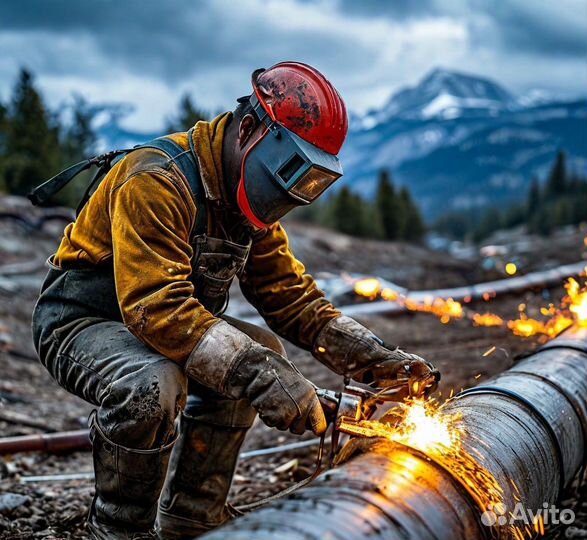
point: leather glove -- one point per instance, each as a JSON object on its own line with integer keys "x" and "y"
{"x": 231, "y": 363}
{"x": 350, "y": 349}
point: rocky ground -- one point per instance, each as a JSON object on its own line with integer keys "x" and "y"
{"x": 30, "y": 402}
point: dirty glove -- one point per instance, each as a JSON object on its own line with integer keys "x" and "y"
{"x": 231, "y": 363}
{"x": 350, "y": 349}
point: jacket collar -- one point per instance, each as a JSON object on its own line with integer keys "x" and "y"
{"x": 208, "y": 138}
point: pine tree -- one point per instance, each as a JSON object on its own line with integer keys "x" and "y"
{"x": 490, "y": 222}
{"x": 3, "y": 136}
{"x": 388, "y": 207}
{"x": 556, "y": 183}
{"x": 350, "y": 214}
{"x": 187, "y": 115}
{"x": 32, "y": 139}
{"x": 3, "y": 126}
{"x": 564, "y": 211}
{"x": 345, "y": 213}
{"x": 534, "y": 198}
{"x": 412, "y": 226}
{"x": 78, "y": 142}
{"x": 79, "y": 138}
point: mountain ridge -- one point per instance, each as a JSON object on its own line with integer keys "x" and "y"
{"x": 458, "y": 140}
{"x": 461, "y": 141}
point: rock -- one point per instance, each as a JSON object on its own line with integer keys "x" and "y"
{"x": 11, "y": 501}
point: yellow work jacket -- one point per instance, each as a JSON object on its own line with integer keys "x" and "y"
{"x": 141, "y": 219}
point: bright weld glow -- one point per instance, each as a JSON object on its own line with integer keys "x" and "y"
{"x": 422, "y": 425}
{"x": 389, "y": 295}
{"x": 525, "y": 327}
{"x": 425, "y": 428}
{"x": 445, "y": 310}
{"x": 510, "y": 269}
{"x": 369, "y": 287}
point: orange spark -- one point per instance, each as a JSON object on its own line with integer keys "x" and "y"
{"x": 487, "y": 319}
{"x": 577, "y": 298}
{"x": 525, "y": 327}
{"x": 489, "y": 351}
{"x": 368, "y": 287}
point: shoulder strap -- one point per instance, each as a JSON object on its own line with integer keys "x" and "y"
{"x": 41, "y": 195}
{"x": 188, "y": 164}
{"x": 185, "y": 159}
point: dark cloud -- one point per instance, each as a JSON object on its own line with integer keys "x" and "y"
{"x": 149, "y": 52}
{"x": 540, "y": 27}
{"x": 170, "y": 39}
{"x": 164, "y": 38}
{"x": 399, "y": 10}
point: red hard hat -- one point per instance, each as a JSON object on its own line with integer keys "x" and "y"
{"x": 301, "y": 99}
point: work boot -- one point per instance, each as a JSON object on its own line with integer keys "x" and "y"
{"x": 128, "y": 484}
{"x": 101, "y": 531}
{"x": 202, "y": 465}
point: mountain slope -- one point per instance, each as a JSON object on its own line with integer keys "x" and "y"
{"x": 445, "y": 94}
{"x": 461, "y": 141}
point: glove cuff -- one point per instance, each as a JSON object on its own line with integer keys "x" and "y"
{"x": 345, "y": 346}
{"x": 212, "y": 360}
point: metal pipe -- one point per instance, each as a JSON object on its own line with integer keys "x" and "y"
{"x": 527, "y": 426}
{"x": 540, "y": 279}
{"x": 533, "y": 280}
{"x": 55, "y": 443}
{"x": 69, "y": 441}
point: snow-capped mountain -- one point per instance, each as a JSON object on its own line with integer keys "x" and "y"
{"x": 459, "y": 141}
{"x": 444, "y": 94}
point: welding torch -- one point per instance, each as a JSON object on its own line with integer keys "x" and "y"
{"x": 360, "y": 401}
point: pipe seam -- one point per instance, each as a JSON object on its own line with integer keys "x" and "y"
{"x": 545, "y": 423}
{"x": 572, "y": 401}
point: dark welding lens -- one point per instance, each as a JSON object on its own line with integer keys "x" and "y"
{"x": 313, "y": 184}
{"x": 291, "y": 167}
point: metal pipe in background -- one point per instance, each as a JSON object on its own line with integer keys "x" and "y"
{"x": 534, "y": 280}
{"x": 539, "y": 279}
{"x": 527, "y": 426}
{"x": 55, "y": 443}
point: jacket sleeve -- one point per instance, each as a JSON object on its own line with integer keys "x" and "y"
{"x": 151, "y": 221}
{"x": 289, "y": 300}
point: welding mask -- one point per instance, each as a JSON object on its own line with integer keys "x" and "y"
{"x": 282, "y": 171}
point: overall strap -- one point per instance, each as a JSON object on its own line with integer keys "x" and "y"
{"x": 188, "y": 164}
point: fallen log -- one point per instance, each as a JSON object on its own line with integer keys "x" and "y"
{"x": 526, "y": 429}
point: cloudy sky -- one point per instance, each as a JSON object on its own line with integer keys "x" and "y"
{"x": 149, "y": 52}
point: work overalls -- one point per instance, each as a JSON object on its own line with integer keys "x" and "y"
{"x": 139, "y": 394}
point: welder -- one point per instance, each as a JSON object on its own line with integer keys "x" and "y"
{"x": 130, "y": 317}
